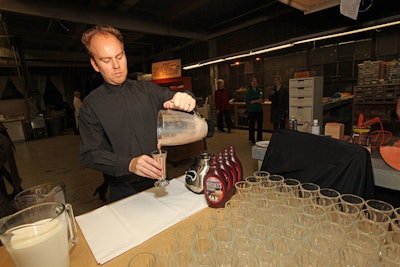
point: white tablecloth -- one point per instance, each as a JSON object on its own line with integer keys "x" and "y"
{"x": 115, "y": 228}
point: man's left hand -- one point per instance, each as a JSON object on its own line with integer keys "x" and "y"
{"x": 181, "y": 101}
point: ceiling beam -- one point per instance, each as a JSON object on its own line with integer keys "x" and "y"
{"x": 90, "y": 15}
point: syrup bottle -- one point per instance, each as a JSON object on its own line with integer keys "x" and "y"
{"x": 215, "y": 187}
{"x": 227, "y": 174}
{"x": 231, "y": 166}
{"x": 238, "y": 164}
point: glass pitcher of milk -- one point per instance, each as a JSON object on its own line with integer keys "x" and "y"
{"x": 38, "y": 236}
{"x": 178, "y": 127}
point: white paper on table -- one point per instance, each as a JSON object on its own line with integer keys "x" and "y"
{"x": 115, "y": 228}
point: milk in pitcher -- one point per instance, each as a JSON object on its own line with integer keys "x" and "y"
{"x": 42, "y": 244}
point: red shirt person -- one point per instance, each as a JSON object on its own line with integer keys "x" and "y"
{"x": 223, "y": 107}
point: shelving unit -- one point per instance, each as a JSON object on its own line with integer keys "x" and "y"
{"x": 377, "y": 100}
{"x": 377, "y": 93}
{"x": 305, "y": 100}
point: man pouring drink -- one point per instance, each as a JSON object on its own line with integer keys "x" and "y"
{"x": 118, "y": 120}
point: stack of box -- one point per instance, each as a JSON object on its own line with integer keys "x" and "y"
{"x": 334, "y": 130}
{"x": 370, "y": 72}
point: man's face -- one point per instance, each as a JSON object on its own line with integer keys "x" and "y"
{"x": 109, "y": 58}
{"x": 220, "y": 85}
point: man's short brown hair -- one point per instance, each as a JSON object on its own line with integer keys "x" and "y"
{"x": 99, "y": 29}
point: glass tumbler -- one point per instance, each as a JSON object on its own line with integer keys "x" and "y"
{"x": 275, "y": 179}
{"x": 203, "y": 250}
{"x": 243, "y": 190}
{"x": 309, "y": 188}
{"x": 181, "y": 258}
{"x": 376, "y": 216}
{"x": 353, "y": 200}
{"x": 291, "y": 186}
{"x": 162, "y": 252}
{"x": 204, "y": 226}
{"x": 397, "y": 212}
{"x": 225, "y": 258}
{"x": 379, "y": 205}
{"x": 330, "y": 193}
{"x": 144, "y": 259}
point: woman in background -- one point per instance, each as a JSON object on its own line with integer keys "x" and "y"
{"x": 254, "y": 99}
{"x": 279, "y": 104}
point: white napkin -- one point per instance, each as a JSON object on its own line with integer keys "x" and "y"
{"x": 115, "y": 228}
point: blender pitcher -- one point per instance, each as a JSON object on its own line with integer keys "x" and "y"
{"x": 179, "y": 127}
{"x": 38, "y": 236}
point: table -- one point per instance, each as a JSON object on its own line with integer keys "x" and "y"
{"x": 384, "y": 175}
{"x": 107, "y": 233}
{"x": 82, "y": 256}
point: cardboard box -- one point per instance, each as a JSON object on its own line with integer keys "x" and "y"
{"x": 304, "y": 74}
{"x": 334, "y": 130}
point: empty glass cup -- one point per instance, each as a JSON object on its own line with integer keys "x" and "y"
{"x": 145, "y": 259}
{"x": 309, "y": 188}
{"x": 380, "y": 205}
{"x": 353, "y": 200}
{"x": 330, "y": 193}
{"x": 48, "y": 192}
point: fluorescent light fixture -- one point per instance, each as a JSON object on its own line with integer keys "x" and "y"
{"x": 283, "y": 46}
{"x": 272, "y": 49}
{"x": 193, "y": 66}
{"x": 239, "y": 56}
{"x": 212, "y": 62}
{"x": 197, "y": 65}
{"x": 347, "y": 33}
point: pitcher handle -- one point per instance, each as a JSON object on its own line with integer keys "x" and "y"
{"x": 72, "y": 230}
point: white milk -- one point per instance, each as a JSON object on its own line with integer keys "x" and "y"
{"x": 43, "y": 244}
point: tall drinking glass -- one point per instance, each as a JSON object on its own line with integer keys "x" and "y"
{"x": 161, "y": 157}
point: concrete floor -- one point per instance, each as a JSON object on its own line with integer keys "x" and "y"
{"x": 56, "y": 159}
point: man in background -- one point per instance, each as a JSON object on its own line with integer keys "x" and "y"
{"x": 223, "y": 107}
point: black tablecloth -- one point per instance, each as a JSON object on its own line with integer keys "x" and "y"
{"x": 323, "y": 160}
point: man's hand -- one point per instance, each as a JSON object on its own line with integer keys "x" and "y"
{"x": 181, "y": 101}
{"x": 146, "y": 166}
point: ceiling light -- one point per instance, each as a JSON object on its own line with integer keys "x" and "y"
{"x": 347, "y": 33}
{"x": 292, "y": 43}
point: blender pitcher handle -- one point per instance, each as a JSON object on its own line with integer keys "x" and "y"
{"x": 72, "y": 230}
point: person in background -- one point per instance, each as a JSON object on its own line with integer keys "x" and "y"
{"x": 77, "y": 106}
{"x": 398, "y": 109}
{"x": 118, "y": 120}
{"x": 254, "y": 99}
{"x": 11, "y": 173}
{"x": 279, "y": 104}
{"x": 223, "y": 107}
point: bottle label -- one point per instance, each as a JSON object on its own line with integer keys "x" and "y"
{"x": 214, "y": 190}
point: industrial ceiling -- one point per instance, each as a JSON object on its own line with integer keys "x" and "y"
{"x": 48, "y": 31}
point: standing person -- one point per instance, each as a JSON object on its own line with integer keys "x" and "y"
{"x": 279, "y": 104}
{"x": 77, "y": 106}
{"x": 254, "y": 99}
{"x": 7, "y": 156}
{"x": 118, "y": 120}
{"x": 223, "y": 107}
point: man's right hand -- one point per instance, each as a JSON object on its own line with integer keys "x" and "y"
{"x": 146, "y": 166}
